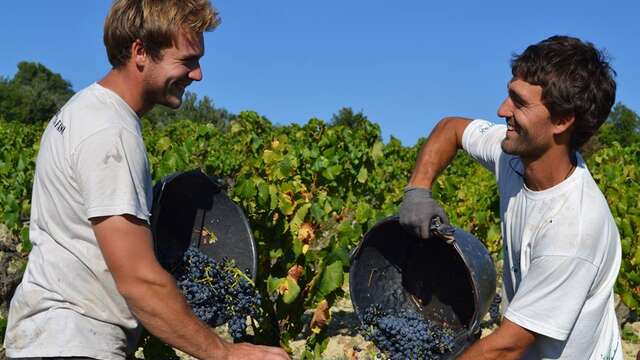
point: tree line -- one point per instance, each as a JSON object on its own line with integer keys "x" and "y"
{"x": 35, "y": 93}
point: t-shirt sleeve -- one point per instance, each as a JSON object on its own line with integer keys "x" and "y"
{"x": 551, "y": 295}
{"x": 481, "y": 139}
{"x": 113, "y": 174}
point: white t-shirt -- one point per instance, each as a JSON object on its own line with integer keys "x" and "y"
{"x": 92, "y": 162}
{"x": 561, "y": 255}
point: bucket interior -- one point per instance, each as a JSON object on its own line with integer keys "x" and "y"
{"x": 191, "y": 210}
{"x": 174, "y": 215}
{"x": 402, "y": 273}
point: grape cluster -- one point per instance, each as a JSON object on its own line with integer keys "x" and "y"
{"x": 405, "y": 336}
{"x": 494, "y": 309}
{"x": 494, "y": 314}
{"x": 218, "y": 291}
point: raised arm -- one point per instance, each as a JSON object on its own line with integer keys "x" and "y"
{"x": 418, "y": 207}
{"x": 152, "y": 294}
{"x": 439, "y": 150}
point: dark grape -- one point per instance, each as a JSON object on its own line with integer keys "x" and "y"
{"x": 218, "y": 291}
{"x": 494, "y": 313}
{"x": 406, "y": 335}
{"x": 494, "y": 310}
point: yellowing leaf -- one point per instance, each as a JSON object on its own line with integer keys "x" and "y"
{"x": 270, "y": 156}
{"x": 362, "y": 175}
{"x": 286, "y": 203}
{"x": 376, "y": 150}
{"x": 163, "y": 144}
{"x": 291, "y": 291}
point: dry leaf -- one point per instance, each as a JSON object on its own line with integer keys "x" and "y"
{"x": 295, "y": 272}
{"x": 306, "y": 233}
{"x": 321, "y": 315}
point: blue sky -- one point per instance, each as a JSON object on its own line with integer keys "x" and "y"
{"x": 405, "y": 64}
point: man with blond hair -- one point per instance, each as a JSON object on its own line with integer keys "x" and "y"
{"x": 92, "y": 278}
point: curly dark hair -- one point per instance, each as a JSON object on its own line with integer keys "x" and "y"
{"x": 576, "y": 79}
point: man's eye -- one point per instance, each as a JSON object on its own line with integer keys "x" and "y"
{"x": 191, "y": 63}
{"x": 517, "y": 103}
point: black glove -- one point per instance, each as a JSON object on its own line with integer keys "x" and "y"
{"x": 417, "y": 209}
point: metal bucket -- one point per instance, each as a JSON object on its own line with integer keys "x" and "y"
{"x": 192, "y": 209}
{"x": 448, "y": 278}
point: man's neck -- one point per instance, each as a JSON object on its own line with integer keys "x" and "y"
{"x": 550, "y": 169}
{"x": 128, "y": 86}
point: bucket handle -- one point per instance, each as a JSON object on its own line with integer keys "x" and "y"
{"x": 442, "y": 230}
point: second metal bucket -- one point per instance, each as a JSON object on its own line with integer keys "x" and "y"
{"x": 449, "y": 278}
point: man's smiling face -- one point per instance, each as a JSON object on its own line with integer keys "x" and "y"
{"x": 529, "y": 124}
{"x": 178, "y": 66}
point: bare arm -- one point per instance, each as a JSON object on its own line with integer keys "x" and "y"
{"x": 439, "y": 150}
{"x": 153, "y": 297}
{"x": 509, "y": 341}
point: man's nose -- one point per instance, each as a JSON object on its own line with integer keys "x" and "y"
{"x": 506, "y": 109}
{"x": 196, "y": 74}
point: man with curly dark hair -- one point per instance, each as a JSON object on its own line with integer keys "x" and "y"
{"x": 561, "y": 245}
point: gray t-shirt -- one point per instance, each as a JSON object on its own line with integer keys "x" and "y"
{"x": 92, "y": 162}
{"x": 562, "y": 255}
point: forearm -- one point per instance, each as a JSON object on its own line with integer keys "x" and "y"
{"x": 509, "y": 341}
{"x": 150, "y": 291}
{"x": 486, "y": 349}
{"x": 438, "y": 151}
{"x": 163, "y": 311}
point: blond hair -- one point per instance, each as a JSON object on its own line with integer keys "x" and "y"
{"x": 156, "y": 23}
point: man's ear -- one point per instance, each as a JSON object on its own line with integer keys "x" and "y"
{"x": 563, "y": 124}
{"x": 138, "y": 53}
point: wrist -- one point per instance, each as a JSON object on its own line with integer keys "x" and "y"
{"x": 421, "y": 180}
{"x": 220, "y": 350}
{"x": 416, "y": 188}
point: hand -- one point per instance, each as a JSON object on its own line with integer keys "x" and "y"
{"x": 246, "y": 351}
{"x": 417, "y": 210}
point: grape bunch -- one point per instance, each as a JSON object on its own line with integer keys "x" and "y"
{"x": 405, "y": 336}
{"x": 218, "y": 291}
{"x": 494, "y": 309}
{"x": 494, "y": 313}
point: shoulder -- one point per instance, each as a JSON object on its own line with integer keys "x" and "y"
{"x": 94, "y": 109}
{"x": 93, "y": 103}
{"x": 480, "y": 128}
{"x": 481, "y": 139}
